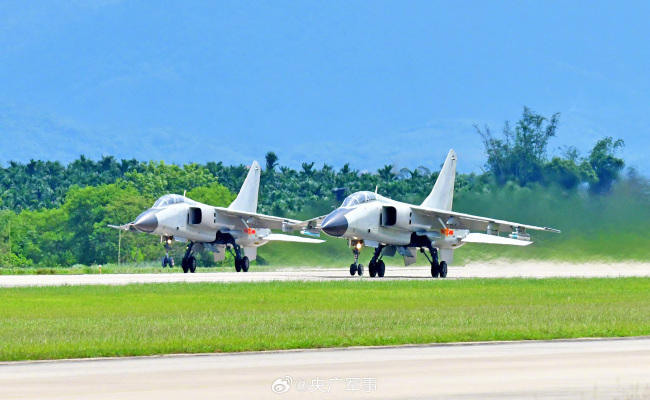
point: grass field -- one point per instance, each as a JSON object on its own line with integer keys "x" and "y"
{"x": 97, "y": 321}
{"x": 144, "y": 267}
{"x": 152, "y": 267}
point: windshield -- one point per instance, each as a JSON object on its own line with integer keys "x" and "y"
{"x": 358, "y": 198}
{"x": 170, "y": 199}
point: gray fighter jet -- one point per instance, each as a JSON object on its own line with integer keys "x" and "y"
{"x": 390, "y": 227}
{"x": 216, "y": 229}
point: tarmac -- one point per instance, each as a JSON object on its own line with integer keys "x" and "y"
{"x": 565, "y": 369}
{"x": 476, "y": 270}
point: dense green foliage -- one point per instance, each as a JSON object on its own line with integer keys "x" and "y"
{"x": 56, "y": 215}
{"x": 99, "y": 321}
{"x": 521, "y": 156}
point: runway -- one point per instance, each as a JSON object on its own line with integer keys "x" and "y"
{"x": 576, "y": 369}
{"x": 494, "y": 270}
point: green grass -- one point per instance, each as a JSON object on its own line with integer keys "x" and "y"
{"x": 145, "y": 267}
{"x": 98, "y": 321}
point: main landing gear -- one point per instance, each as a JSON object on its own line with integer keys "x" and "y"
{"x": 354, "y": 267}
{"x": 437, "y": 268}
{"x": 377, "y": 267}
{"x": 241, "y": 263}
{"x": 189, "y": 261}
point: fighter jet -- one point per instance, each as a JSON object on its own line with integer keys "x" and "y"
{"x": 390, "y": 227}
{"x": 238, "y": 229}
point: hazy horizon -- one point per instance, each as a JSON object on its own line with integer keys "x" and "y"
{"x": 369, "y": 83}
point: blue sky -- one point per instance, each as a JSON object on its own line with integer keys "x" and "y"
{"x": 365, "y": 82}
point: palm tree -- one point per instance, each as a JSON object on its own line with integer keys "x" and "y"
{"x": 271, "y": 161}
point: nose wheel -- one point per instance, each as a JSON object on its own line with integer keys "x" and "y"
{"x": 167, "y": 261}
{"x": 355, "y": 268}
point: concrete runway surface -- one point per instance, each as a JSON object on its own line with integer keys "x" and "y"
{"x": 572, "y": 369}
{"x": 495, "y": 270}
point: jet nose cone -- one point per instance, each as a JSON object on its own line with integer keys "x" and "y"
{"x": 146, "y": 222}
{"x": 335, "y": 224}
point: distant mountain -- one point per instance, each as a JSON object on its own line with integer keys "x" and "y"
{"x": 27, "y": 134}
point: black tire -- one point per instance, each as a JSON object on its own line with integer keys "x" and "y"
{"x": 185, "y": 266}
{"x": 372, "y": 269}
{"x": 435, "y": 270}
{"x": 353, "y": 269}
{"x": 237, "y": 265}
{"x": 360, "y": 270}
{"x": 245, "y": 264}
{"x": 191, "y": 263}
{"x": 381, "y": 268}
{"x": 164, "y": 262}
{"x": 171, "y": 262}
{"x": 443, "y": 269}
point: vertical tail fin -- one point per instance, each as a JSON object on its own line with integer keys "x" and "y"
{"x": 442, "y": 195}
{"x": 247, "y": 198}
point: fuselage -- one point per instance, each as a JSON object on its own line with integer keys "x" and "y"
{"x": 183, "y": 219}
{"x": 369, "y": 217}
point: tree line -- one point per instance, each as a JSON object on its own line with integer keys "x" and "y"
{"x": 55, "y": 214}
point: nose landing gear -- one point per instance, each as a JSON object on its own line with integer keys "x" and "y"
{"x": 354, "y": 267}
{"x": 167, "y": 261}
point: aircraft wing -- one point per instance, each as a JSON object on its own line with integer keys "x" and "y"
{"x": 277, "y": 237}
{"x": 310, "y": 224}
{"x": 472, "y": 222}
{"x": 258, "y": 220}
{"x": 492, "y": 239}
{"x": 126, "y": 227}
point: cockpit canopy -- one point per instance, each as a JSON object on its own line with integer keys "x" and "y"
{"x": 170, "y": 199}
{"x": 358, "y": 198}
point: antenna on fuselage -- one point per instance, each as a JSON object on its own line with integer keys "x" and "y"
{"x": 184, "y": 191}
{"x": 376, "y": 188}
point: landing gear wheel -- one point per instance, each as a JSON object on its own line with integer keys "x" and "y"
{"x": 435, "y": 269}
{"x": 372, "y": 269}
{"x": 360, "y": 270}
{"x": 191, "y": 263}
{"x": 245, "y": 263}
{"x": 185, "y": 266}
{"x": 237, "y": 265}
{"x": 443, "y": 269}
{"x": 381, "y": 268}
{"x": 353, "y": 269}
{"x": 164, "y": 262}
{"x": 170, "y": 262}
